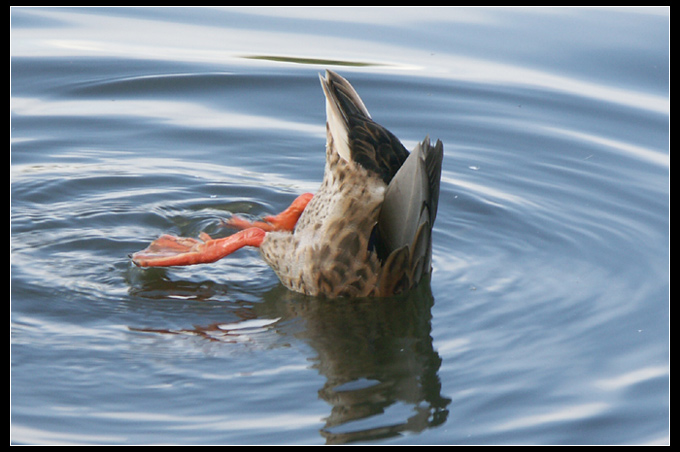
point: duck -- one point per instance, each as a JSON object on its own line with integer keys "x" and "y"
{"x": 366, "y": 232}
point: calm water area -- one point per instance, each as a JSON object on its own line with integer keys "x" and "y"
{"x": 545, "y": 321}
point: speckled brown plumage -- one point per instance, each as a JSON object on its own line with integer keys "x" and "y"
{"x": 339, "y": 247}
{"x": 366, "y": 232}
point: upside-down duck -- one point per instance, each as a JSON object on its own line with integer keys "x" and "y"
{"x": 367, "y": 232}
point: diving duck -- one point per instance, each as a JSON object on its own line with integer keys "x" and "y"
{"x": 367, "y": 232}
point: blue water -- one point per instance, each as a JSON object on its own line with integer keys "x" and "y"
{"x": 546, "y": 320}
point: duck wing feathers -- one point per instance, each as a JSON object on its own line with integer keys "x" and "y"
{"x": 402, "y": 235}
{"x": 408, "y": 214}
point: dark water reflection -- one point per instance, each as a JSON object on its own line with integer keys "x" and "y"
{"x": 380, "y": 368}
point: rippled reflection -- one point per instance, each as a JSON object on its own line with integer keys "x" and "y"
{"x": 377, "y": 357}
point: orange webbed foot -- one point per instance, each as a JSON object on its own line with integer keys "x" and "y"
{"x": 168, "y": 250}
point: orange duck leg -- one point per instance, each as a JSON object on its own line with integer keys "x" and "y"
{"x": 169, "y": 250}
{"x": 285, "y": 221}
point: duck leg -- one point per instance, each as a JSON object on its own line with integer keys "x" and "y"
{"x": 285, "y": 221}
{"x": 169, "y": 250}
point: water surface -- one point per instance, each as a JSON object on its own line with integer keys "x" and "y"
{"x": 546, "y": 319}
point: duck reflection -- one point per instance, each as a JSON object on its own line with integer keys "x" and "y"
{"x": 377, "y": 357}
{"x": 378, "y": 360}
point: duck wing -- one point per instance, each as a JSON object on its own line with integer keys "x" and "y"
{"x": 412, "y": 197}
{"x": 402, "y": 236}
{"x": 407, "y": 217}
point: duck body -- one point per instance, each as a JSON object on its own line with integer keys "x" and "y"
{"x": 367, "y": 232}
